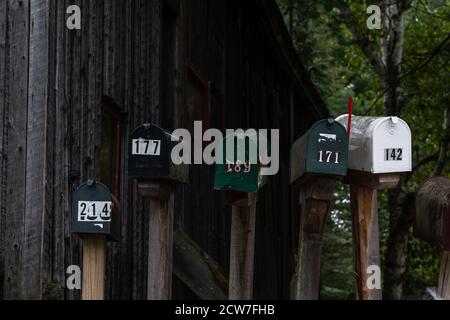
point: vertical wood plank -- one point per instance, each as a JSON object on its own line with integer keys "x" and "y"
{"x": 37, "y": 165}
{"x": 3, "y": 137}
{"x": 94, "y": 260}
{"x": 16, "y": 102}
{"x": 366, "y": 240}
{"x": 160, "y": 248}
{"x": 310, "y": 250}
{"x": 50, "y": 290}
{"x": 444, "y": 276}
{"x": 242, "y": 252}
{"x": 61, "y": 189}
{"x": 155, "y": 59}
{"x": 73, "y": 80}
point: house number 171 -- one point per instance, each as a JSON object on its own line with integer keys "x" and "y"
{"x": 326, "y": 156}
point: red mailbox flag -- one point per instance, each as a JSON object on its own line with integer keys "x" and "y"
{"x": 350, "y": 112}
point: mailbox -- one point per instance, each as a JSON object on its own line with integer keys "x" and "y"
{"x": 150, "y": 149}
{"x": 323, "y": 150}
{"x": 432, "y": 212}
{"x": 237, "y": 173}
{"x": 379, "y": 144}
{"x": 95, "y": 211}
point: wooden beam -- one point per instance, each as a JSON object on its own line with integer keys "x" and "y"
{"x": 315, "y": 200}
{"x": 373, "y": 181}
{"x": 242, "y": 248}
{"x": 366, "y": 242}
{"x": 94, "y": 264}
{"x": 444, "y": 276}
{"x": 198, "y": 271}
{"x": 160, "y": 245}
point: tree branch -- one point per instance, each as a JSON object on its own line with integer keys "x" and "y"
{"x": 442, "y": 160}
{"x": 405, "y": 5}
{"x": 420, "y": 164}
{"x": 361, "y": 38}
{"x": 430, "y": 57}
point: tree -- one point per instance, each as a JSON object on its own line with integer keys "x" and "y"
{"x": 408, "y": 61}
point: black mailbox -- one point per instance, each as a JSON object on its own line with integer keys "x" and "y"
{"x": 95, "y": 211}
{"x": 150, "y": 149}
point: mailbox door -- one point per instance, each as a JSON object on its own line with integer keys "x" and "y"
{"x": 391, "y": 146}
{"x": 327, "y": 149}
{"x": 149, "y": 153}
{"x": 238, "y": 174}
{"x": 94, "y": 211}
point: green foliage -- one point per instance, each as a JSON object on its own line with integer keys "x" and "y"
{"x": 337, "y": 259}
{"x": 339, "y": 70}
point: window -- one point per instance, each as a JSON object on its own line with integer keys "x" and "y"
{"x": 111, "y": 146}
{"x": 198, "y": 97}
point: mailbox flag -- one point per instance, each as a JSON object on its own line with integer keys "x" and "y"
{"x": 350, "y": 112}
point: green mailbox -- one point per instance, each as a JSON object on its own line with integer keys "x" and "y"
{"x": 323, "y": 150}
{"x": 240, "y": 171}
{"x": 95, "y": 211}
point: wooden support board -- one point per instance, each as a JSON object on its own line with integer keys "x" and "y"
{"x": 242, "y": 247}
{"x": 315, "y": 199}
{"x": 160, "y": 246}
{"x": 366, "y": 242}
{"x": 94, "y": 263}
{"x": 197, "y": 269}
{"x": 366, "y": 238}
{"x": 444, "y": 276}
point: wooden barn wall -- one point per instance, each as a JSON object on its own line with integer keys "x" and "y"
{"x": 52, "y": 83}
{"x": 136, "y": 53}
{"x": 248, "y": 89}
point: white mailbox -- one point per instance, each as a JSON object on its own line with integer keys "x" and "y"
{"x": 378, "y": 145}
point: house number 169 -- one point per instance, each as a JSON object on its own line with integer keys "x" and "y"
{"x": 237, "y": 168}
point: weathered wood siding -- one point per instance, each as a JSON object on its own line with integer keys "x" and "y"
{"x": 136, "y": 53}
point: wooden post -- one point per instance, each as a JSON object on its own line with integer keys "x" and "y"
{"x": 242, "y": 247}
{"x": 444, "y": 276}
{"x": 315, "y": 199}
{"x": 366, "y": 239}
{"x": 160, "y": 246}
{"x": 94, "y": 263}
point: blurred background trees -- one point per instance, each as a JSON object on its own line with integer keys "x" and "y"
{"x": 409, "y": 77}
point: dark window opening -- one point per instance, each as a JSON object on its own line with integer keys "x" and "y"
{"x": 111, "y": 147}
{"x": 198, "y": 98}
